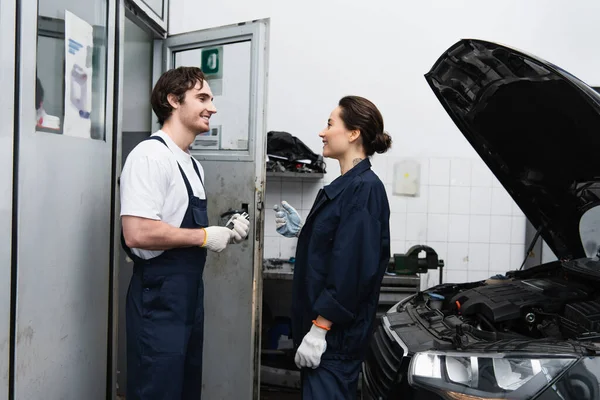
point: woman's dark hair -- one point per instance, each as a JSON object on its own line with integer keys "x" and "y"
{"x": 175, "y": 81}
{"x": 360, "y": 114}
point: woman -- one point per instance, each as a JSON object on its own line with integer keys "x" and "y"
{"x": 342, "y": 253}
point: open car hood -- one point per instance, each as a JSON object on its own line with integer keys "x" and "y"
{"x": 537, "y": 128}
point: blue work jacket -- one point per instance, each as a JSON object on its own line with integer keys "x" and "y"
{"x": 342, "y": 253}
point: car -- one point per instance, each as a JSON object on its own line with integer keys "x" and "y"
{"x": 531, "y": 333}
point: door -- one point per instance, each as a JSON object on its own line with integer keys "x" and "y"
{"x": 232, "y": 154}
{"x": 7, "y": 110}
{"x": 64, "y": 160}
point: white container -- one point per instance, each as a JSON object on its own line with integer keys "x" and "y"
{"x": 50, "y": 122}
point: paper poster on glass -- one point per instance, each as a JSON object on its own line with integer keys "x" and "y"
{"x": 79, "y": 47}
{"x": 210, "y": 140}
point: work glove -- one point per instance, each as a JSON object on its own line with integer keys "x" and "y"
{"x": 287, "y": 220}
{"x": 241, "y": 227}
{"x": 312, "y": 348}
{"x": 217, "y": 238}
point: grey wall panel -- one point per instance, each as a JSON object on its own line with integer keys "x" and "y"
{"x": 64, "y": 204}
{"x": 7, "y": 73}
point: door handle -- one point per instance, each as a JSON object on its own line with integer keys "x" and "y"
{"x": 230, "y": 213}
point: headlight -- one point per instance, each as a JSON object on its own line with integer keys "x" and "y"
{"x": 463, "y": 376}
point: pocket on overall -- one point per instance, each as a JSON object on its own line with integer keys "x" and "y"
{"x": 199, "y": 212}
{"x": 169, "y": 307}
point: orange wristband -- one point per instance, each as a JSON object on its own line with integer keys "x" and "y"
{"x": 320, "y": 326}
{"x": 205, "y": 237}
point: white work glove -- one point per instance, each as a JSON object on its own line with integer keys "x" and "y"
{"x": 312, "y": 348}
{"x": 287, "y": 220}
{"x": 241, "y": 227}
{"x": 217, "y": 238}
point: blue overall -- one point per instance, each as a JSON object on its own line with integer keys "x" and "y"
{"x": 342, "y": 253}
{"x": 165, "y": 316}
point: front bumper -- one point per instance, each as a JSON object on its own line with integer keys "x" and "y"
{"x": 386, "y": 366}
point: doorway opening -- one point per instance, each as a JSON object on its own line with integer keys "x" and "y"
{"x": 136, "y": 126}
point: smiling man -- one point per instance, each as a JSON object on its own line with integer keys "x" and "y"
{"x": 166, "y": 234}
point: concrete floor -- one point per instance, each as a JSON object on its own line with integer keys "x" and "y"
{"x": 265, "y": 395}
{"x": 278, "y": 395}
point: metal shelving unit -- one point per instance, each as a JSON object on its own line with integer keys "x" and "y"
{"x": 295, "y": 175}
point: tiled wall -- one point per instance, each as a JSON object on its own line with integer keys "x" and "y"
{"x": 462, "y": 212}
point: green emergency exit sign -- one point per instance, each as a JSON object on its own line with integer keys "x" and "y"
{"x": 212, "y": 62}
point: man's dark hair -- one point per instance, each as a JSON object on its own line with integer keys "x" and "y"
{"x": 176, "y": 82}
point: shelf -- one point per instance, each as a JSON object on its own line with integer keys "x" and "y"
{"x": 295, "y": 175}
{"x": 396, "y": 283}
{"x": 401, "y": 280}
{"x": 277, "y": 274}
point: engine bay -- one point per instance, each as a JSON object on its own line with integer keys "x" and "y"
{"x": 557, "y": 301}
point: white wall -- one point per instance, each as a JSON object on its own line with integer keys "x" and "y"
{"x": 323, "y": 50}
{"x": 462, "y": 212}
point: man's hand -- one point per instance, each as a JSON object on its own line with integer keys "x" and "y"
{"x": 217, "y": 238}
{"x": 241, "y": 227}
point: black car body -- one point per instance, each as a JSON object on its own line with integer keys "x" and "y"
{"x": 534, "y": 333}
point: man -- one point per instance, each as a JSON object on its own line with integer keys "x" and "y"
{"x": 166, "y": 233}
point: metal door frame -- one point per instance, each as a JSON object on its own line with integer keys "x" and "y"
{"x": 9, "y": 117}
{"x": 257, "y": 32}
{"x": 115, "y": 228}
{"x": 141, "y": 10}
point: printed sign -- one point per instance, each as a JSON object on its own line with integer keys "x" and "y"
{"x": 79, "y": 47}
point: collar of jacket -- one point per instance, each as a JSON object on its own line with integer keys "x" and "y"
{"x": 337, "y": 186}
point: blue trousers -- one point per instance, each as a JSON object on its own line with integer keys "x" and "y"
{"x": 332, "y": 380}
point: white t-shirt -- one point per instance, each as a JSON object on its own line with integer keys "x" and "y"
{"x": 152, "y": 186}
